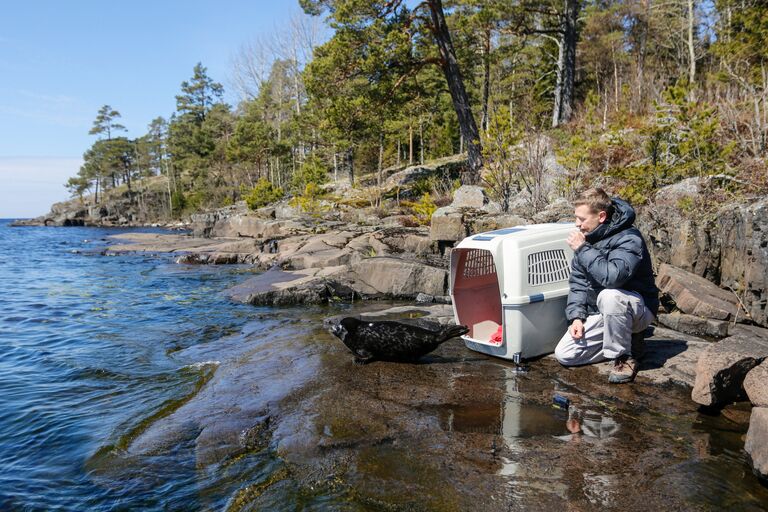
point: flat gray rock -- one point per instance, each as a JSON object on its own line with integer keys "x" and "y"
{"x": 695, "y": 324}
{"x": 395, "y": 277}
{"x": 447, "y": 224}
{"x": 470, "y": 196}
{"x": 280, "y": 287}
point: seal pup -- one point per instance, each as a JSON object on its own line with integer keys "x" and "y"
{"x": 391, "y": 340}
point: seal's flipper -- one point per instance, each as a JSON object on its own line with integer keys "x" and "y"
{"x": 362, "y": 356}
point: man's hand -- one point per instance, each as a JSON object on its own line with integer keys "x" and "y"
{"x": 576, "y": 330}
{"x": 576, "y": 239}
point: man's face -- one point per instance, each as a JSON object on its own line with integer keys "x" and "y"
{"x": 587, "y": 220}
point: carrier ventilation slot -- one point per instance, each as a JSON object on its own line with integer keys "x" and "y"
{"x": 479, "y": 262}
{"x": 547, "y": 267}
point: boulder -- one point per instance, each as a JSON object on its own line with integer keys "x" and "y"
{"x": 744, "y": 255}
{"x": 283, "y": 210}
{"x": 396, "y": 240}
{"x": 325, "y": 250}
{"x": 696, "y": 325}
{"x": 697, "y": 296}
{"x": 282, "y": 288}
{"x": 494, "y": 222}
{"x": 673, "y": 195}
{"x": 729, "y": 247}
{"x": 756, "y": 385}
{"x": 722, "y": 367}
{"x": 394, "y": 277}
{"x": 559, "y": 210}
{"x": 446, "y": 168}
{"x": 447, "y": 224}
{"x": 470, "y": 196}
{"x": 756, "y": 443}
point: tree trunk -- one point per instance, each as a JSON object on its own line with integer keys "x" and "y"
{"x": 335, "y": 166}
{"x": 410, "y": 143}
{"x": 486, "y": 77}
{"x": 381, "y": 160}
{"x": 566, "y": 65}
{"x": 642, "y": 52}
{"x": 421, "y": 142}
{"x": 691, "y": 46}
{"x": 350, "y": 164}
{"x": 459, "y": 96}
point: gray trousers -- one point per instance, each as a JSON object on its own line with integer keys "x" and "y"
{"x": 607, "y": 335}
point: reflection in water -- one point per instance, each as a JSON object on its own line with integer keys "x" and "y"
{"x": 589, "y": 424}
{"x": 521, "y": 421}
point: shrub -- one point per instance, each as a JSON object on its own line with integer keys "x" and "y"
{"x": 424, "y": 209}
{"x": 178, "y": 201}
{"x": 309, "y": 200}
{"x": 311, "y": 171}
{"x": 263, "y": 193}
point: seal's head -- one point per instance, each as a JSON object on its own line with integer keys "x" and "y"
{"x": 345, "y": 328}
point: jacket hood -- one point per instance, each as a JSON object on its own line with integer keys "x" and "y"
{"x": 623, "y": 218}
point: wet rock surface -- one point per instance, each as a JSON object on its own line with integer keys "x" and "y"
{"x": 456, "y": 431}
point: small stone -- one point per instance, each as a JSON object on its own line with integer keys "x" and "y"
{"x": 425, "y": 298}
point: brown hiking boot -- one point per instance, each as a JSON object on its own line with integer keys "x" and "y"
{"x": 623, "y": 371}
{"x": 638, "y": 345}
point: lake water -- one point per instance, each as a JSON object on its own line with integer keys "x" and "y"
{"x": 131, "y": 383}
{"x": 85, "y": 345}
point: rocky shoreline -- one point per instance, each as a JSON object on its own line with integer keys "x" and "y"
{"x": 352, "y": 254}
{"x": 306, "y": 261}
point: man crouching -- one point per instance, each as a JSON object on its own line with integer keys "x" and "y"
{"x": 612, "y": 293}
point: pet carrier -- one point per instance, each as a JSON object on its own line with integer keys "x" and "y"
{"x": 510, "y": 288}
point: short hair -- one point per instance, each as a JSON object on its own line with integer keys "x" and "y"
{"x": 596, "y": 199}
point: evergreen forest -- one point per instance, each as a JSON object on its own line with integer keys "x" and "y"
{"x": 632, "y": 95}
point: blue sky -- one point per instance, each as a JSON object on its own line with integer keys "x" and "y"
{"x": 61, "y": 61}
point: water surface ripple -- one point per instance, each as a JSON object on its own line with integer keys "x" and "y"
{"x": 85, "y": 348}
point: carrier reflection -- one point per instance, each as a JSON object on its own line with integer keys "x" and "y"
{"x": 526, "y": 428}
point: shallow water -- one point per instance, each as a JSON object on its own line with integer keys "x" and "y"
{"x": 130, "y": 382}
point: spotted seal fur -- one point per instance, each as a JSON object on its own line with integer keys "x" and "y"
{"x": 391, "y": 340}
